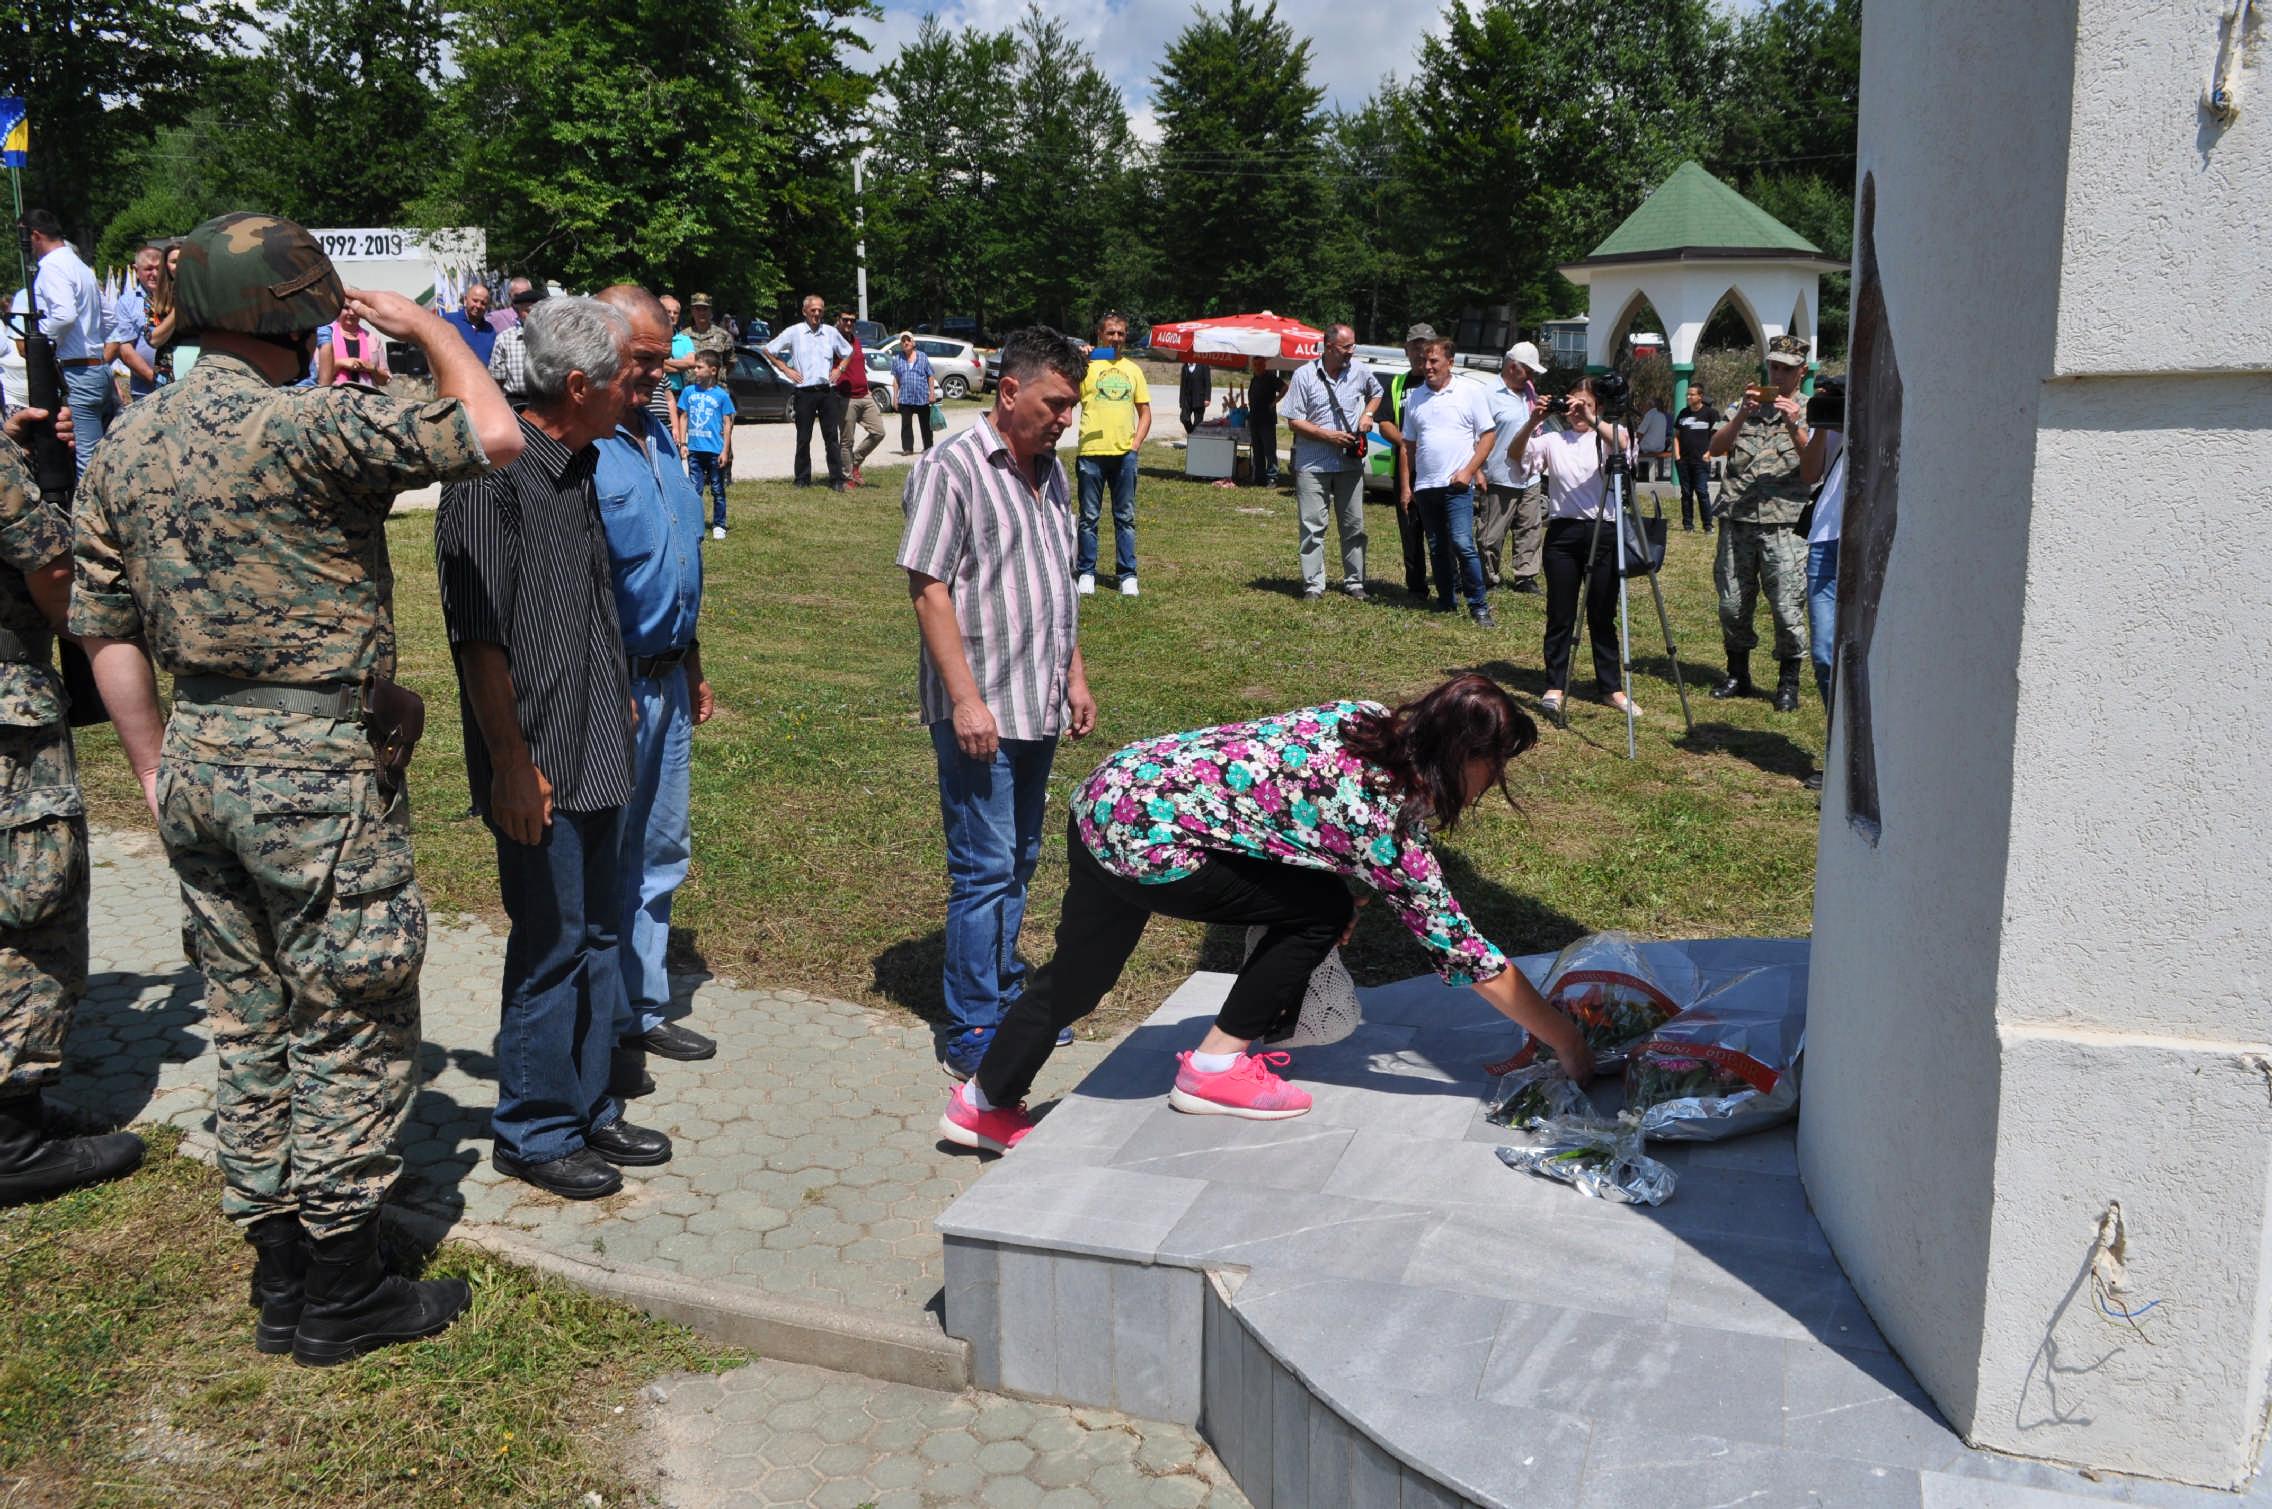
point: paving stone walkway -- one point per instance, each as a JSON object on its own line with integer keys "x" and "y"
{"x": 806, "y": 1166}
{"x": 775, "y": 1433}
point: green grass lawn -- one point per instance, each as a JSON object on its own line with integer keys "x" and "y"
{"x": 818, "y": 859}
{"x": 128, "y": 1377}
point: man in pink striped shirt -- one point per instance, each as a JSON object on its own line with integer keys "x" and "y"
{"x": 988, "y": 552}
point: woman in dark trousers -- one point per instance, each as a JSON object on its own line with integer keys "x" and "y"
{"x": 1263, "y": 824}
{"x": 1569, "y": 461}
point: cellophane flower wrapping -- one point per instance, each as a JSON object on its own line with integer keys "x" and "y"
{"x": 1604, "y": 984}
{"x": 1726, "y": 1066}
{"x": 1598, "y": 1158}
{"x": 1535, "y": 1093}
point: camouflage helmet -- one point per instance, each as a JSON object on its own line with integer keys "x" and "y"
{"x": 257, "y": 275}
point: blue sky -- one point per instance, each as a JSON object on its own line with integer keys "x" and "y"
{"x": 1368, "y": 38}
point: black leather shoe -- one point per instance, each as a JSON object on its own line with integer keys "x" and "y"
{"x": 1813, "y": 782}
{"x": 36, "y": 1164}
{"x": 627, "y": 1076}
{"x": 353, "y": 1305}
{"x": 1738, "y": 683}
{"x": 634, "y": 1147}
{"x": 1524, "y": 584}
{"x": 1787, "y": 688}
{"x": 279, "y": 1280}
{"x": 582, "y": 1175}
{"x": 673, "y": 1041}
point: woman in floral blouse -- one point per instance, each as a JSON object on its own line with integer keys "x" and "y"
{"x": 1263, "y": 823}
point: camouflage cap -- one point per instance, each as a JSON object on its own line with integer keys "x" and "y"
{"x": 257, "y": 275}
{"x": 1420, "y": 332}
{"x": 1789, "y": 350}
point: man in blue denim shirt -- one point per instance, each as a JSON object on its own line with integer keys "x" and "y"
{"x": 653, "y": 518}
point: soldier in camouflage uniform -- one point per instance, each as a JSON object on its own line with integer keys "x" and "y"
{"x": 238, "y": 523}
{"x": 709, "y": 336}
{"x": 43, "y": 845}
{"x": 1762, "y": 545}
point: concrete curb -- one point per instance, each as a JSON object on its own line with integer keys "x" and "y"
{"x": 838, "y": 1338}
{"x": 835, "y": 1337}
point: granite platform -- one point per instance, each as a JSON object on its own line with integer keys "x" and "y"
{"x": 1364, "y": 1306}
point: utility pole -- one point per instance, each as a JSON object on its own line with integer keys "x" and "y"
{"x": 860, "y": 223}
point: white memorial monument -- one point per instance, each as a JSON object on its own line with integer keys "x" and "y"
{"x": 2038, "y": 1117}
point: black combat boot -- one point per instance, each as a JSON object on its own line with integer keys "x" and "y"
{"x": 1787, "y": 687}
{"x": 279, "y": 1280}
{"x": 35, "y": 1165}
{"x": 355, "y": 1306}
{"x": 1738, "y": 683}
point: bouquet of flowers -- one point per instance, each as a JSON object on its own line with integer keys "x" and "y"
{"x": 1602, "y": 983}
{"x": 1536, "y": 1093}
{"x": 1727, "y": 1065}
{"x": 1598, "y": 1158}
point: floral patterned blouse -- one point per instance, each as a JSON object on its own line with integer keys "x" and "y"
{"x": 1284, "y": 789}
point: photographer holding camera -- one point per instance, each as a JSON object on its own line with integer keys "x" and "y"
{"x": 1328, "y": 407}
{"x": 1576, "y": 499}
{"x": 1761, "y": 544}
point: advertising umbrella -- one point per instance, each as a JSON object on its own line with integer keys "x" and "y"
{"x": 1234, "y": 340}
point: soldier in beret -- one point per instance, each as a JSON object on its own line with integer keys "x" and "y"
{"x": 232, "y": 530}
{"x": 1760, "y": 545}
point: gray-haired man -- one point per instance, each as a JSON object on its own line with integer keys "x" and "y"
{"x": 1330, "y": 403}
{"x": 528, "y": 597}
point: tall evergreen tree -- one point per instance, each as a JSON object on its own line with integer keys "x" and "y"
{"x": 1241, "y": 163}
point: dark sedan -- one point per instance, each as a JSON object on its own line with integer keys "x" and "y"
{"x": 759, "y": 391}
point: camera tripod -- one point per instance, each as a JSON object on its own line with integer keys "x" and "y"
{"x": 1617, "y": 481}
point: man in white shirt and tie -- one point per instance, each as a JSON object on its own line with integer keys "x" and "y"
{"x": 69, "y": 306}
{"x": 817, "y": 354}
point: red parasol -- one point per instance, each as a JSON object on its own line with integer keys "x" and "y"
{"x": 1234, "y": 340}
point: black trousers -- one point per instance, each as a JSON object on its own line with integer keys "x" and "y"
{"x": 1412, "y": 532}
{"x": 910, "y": 414}
{"x": 1193, "y": 413}
{"x": 828, "y": 405}
{"x": 1104, "y": 917}
{"x": 1695, "y": 492}
{"x": 1564, "y": 563}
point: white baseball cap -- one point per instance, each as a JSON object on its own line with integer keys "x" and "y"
{"x": 1526, "y": 353}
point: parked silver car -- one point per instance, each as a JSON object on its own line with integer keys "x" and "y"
{"x": 956, "y": 366}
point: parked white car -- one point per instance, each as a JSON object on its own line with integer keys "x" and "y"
{"x": 956, "y": 366}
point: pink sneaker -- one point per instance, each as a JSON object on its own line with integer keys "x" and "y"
{"x": 995, "y": 1131}
{"x": 1247, "y": 1088}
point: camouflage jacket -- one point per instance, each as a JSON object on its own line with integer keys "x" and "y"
{"x": 33, "y": 532}
{"x": 715, "y": 340}
{"x": 1763, "y": 475}
{"x": 241, "y": 528}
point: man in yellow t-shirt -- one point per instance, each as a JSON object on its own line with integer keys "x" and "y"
{"x": 1116, "y": 415}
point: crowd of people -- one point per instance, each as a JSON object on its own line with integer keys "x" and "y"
{"x": 226, "y": 528}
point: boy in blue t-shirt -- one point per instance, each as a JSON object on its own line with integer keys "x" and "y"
{"x": 706, "y": 435}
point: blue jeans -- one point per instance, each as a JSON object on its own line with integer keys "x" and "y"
{"x": 703, "y": 467}
{"x": 657, "y": 842}
{"x": 563, "y": 985}
{"x": 1448, "y": 514}
{"x": 91, "y": 397}
{"x": 1822, "y": 611}
{"x": 1119, "y": 472}
{"x": 993, "y": 811}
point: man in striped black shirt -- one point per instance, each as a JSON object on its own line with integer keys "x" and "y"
{"x": 528, "y": 595}
{"x": 988, "y": 552}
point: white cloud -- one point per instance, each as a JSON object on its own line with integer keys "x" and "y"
{"x": 1353, "y": 43}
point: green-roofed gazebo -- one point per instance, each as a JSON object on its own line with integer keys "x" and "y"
{"x": 1692, "y": 243}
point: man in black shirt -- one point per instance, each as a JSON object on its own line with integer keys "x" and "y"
{"x": 1692, "y": 434}
{"x": 1262, "y": 424}
{"x": 528, "y": 595}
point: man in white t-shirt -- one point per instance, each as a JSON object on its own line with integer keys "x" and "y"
{"x": 1448, "y": 430}
{"x": 1514, "y": 504}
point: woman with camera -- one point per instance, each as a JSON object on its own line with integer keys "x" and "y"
{"x": 1570, "y": 460}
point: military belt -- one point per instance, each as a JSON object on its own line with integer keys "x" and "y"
{"x": 337, "y": 699}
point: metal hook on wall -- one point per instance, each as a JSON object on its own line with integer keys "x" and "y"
{"x": 2223, "y": 95}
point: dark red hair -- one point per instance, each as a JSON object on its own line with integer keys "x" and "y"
{"x": 1425, "y": 745}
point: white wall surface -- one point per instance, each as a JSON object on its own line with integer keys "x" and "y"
{"x": 2177, "y": 278}
{"x": 1897, "y": 1134}
{"x": 2044, "y": 990}
{"x": 1684, "y": 294}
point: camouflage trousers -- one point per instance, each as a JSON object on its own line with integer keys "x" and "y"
{"x": 1754, "y": 557}
{"x": 43, "y": 903}
{"x": 310, "y": 932}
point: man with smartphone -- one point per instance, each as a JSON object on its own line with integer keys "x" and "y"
{"x": 1760, "y": 542}
{"x": 1328, "y": 407}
